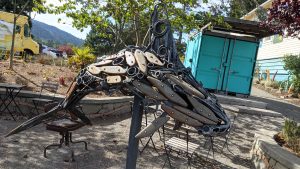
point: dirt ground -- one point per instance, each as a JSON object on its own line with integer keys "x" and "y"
{"x": 107, "y": 146}
{"x": 33, "y": 74}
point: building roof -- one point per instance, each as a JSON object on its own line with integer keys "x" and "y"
{"x": 244, "y": 27}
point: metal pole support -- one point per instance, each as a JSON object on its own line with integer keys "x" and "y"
{"x": 135, "y": 127}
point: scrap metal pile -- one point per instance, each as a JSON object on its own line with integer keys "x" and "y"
{"x": 153, "y": 71}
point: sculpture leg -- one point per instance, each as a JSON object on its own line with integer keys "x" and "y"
{"x": 135, "y": 127}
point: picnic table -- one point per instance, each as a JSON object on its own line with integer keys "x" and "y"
{"x": 11, "y": 92}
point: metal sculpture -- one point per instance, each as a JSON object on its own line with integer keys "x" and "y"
{"x": 153, "y": 71}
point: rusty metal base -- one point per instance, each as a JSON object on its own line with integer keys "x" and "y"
{"x": 67, "y": 139}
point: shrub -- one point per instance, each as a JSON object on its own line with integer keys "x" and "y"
{"x": 45, "y": 60}
{"x": 275, "y": 84}
{"x": 291, "y": 134}
{"x": 262, "y": 82}
{"x": 66, "y": 48}
{"x": 292, "y": 64}
{"x": 82, "y": 57}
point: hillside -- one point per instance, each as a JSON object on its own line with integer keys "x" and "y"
{"x": 46, "y": 32}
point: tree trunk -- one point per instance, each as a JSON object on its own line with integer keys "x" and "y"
{"x": 13, "y": 40}
{"x": 137, "y": 30}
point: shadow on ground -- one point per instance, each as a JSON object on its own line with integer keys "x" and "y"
{"x": 286, "y": 109}
{"x": 107, "y": 143}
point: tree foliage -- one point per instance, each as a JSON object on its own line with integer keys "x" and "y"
{"x": 234, "y": 8}
{"x": 239, "y": 8}
{"x": 292, "y": 63}
{"x": 33, "y": 5}
{"x": 118, "y": 23}
{"x": 284, "y": 17}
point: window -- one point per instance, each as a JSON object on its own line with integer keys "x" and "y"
{"x": 26, "y": 30}
{"x": 18, "y": 29}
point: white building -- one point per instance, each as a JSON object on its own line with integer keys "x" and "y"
{"x": 273, "y": 49}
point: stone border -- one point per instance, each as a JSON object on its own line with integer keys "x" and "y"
{"x": 266, "y": 153}
{"x": 251, "y": 110}
{"x": 93, "y": 107}
{"x": 241, "y": 101}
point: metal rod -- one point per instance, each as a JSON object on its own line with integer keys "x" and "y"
{"x": 135, "y": 127}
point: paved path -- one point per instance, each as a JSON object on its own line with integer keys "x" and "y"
{"x": 108, "y": 139}
{"x": 261, "y": 93}
{"x": 276, "y": 104}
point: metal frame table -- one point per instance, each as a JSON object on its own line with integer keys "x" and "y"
{"x": 11, "y": 92}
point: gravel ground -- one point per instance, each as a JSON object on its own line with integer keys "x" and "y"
{"x": 107, "y": 143}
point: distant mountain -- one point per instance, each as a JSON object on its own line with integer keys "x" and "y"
{"x": 46, "y": 32}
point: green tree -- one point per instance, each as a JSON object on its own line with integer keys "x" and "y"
{"x": 234, "y": 8}
{"x": 98, "y": 43}
{"x": 292, "y": 64}
{"x": 118, "y": 16}
{"x": 238, "y": 8}
{"x": 33, "y": 5}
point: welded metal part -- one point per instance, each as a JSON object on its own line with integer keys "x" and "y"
{"x": 153, "y": 59}
{"x": 130, "y": 60}
{"x": 161, "y": 27}
{"x": 121, "y": 53}
{"x": 103, "y": 62}
{"x": 110, "y": 57}
{"x": 113, "y": 79}
{"x": 152, "y": 127}
{"x": 180, "y": 116}
{"x": 71, "y": 90}
{"x": 118, "y": 61}
{"x": 34, "y": 121}
{"x": 141, "y": 60}
{"x": 140, "y": 75}
{"x": 112, "y": 69}
{"x": 187, "y": 87}
{"x": 150, "y": 65}
{"x": 106, "y": 69}
{"x": 202, "y": 110}
{"x": 148, "y": 90}
{"x": 167, "y": 91}
{"x": 162, "y": 51}
{"x": 170, "y": 65}
{"x": 194, "y": 115}
{"x": 93, "y": 69}
{"x": 132, "y": 71}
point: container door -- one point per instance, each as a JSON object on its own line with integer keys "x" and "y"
{"x": 192, "y": 52}
{"x": 213, "y": 53}
{"x": 239, "y": 67}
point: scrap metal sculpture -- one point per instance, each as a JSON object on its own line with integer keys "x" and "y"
{"x": 153, "y": 71}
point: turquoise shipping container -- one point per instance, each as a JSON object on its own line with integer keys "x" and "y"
{"x": 222, "y": 63}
